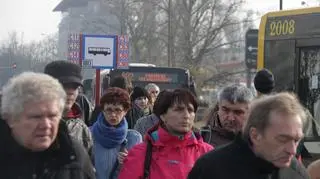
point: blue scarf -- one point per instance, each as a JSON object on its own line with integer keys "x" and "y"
{"x": 107, "y": 135}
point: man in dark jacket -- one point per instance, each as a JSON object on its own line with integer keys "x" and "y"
{"x": 227, "y": 118}
{"x": 267, "y": 147}
{"x": 35, "y": 142}
{"x": 69, "y": 75}
{"x": 264, "y": 83}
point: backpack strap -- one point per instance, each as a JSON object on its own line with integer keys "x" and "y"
{"x": 147, "y": 161}
{"x": 116, "y": 165}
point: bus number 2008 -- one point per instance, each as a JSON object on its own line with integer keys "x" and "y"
{"x": 285, "y": 27}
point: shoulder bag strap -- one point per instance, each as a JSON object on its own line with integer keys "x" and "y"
{"x": 147, "y": 161}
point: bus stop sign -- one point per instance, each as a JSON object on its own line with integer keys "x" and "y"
{"x": 251, "y": 50}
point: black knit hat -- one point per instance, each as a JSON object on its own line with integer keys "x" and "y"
{"x": 138, "y": 92}
{"x": 65, "y": 71}
{"x": 264, "y": 81}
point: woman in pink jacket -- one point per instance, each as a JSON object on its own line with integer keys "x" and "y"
{"x": 171, "y": 147}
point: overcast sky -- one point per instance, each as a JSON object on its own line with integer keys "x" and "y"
{"x": 35, "y": 19}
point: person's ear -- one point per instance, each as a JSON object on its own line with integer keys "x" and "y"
{"x": 255, "y": 135}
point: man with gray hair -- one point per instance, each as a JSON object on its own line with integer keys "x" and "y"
{"x": 231, "y": 112}
{"x": 266, "y": 148}
{"x": 34, "y": 141}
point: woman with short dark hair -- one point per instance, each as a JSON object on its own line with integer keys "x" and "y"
{"x": 171, "y": 147}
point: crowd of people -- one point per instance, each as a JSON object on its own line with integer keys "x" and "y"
{"x": 49, "y": 130}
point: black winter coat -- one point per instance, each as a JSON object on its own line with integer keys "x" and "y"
{"x": 237, "y": 161}
{"x": 65, "y": 159}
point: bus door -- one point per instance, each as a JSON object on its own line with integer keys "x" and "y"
{"x": 279, "y": 58}
{"x": 307, "y": 74}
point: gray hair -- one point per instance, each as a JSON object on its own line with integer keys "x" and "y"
{"x": 30, "y": 87}
{"x": 151, "y": 85}
{"x": 235, "y": 93}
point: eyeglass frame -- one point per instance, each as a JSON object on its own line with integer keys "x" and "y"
{"x": 114, "y": 110}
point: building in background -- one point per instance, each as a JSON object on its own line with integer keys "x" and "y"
{"x": 86, "y": 17}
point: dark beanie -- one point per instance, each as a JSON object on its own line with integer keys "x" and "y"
{"x": 264, "y": 81}
{"x": 65, "y": 71}
{"x": 138, "y": 92}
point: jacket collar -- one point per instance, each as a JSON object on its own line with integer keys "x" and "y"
{"x": 262, "y": 165}
{"x": 216, "y": 127}
{"x": 74, "y": 113}
{"x": 160, "y": 137}
{"x": 62, "y": 147}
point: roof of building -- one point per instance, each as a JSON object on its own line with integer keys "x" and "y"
{"x": 64, "y": 5}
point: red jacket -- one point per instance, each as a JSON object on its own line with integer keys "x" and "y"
{"x": 172, "y": 157}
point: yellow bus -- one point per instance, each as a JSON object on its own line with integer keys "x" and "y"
{"x": 289, "y": 46}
